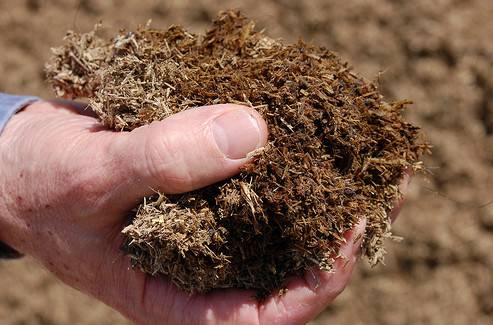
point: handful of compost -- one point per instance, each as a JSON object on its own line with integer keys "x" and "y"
{"x": 336, "y": 150}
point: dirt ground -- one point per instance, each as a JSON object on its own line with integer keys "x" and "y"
{"x": 437, "y": 53}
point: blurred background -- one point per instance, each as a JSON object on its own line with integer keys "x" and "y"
{"x": 437, "y": 53}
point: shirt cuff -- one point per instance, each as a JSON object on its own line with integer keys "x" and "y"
{"x": 10, "y": 104}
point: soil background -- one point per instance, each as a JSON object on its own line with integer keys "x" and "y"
{"x": 437, "y": 53}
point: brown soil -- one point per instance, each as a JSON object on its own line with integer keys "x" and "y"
{"x": 437, "y": 53}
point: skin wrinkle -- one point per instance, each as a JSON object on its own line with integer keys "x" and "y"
{"x": 119, "y": 294}
{"x": 170, "y": 301}
{"x": 126, "y": 174}
{"x": 170, "y": 296}
{"x": 143, "y": 294}
{"x": 85, "y": 272}
{"x": 125, "y": 302}
{"x": 92, "y": 187}
{"x": 186, "y": 308}
{"x": 159, "y": 164}
{"x": 257, "y": 319}
{"x": 77, "y": 175}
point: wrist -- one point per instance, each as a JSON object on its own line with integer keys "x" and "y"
{"x": 9, "y": 234}
{"x": 7, "y": 250}
{"x": 11, "y": 200}
{"x": 9, "y": 105}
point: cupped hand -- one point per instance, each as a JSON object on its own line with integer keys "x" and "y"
{"x": 67, "y": 184}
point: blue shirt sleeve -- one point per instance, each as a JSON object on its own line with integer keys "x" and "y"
{"x": 10, "y": 104}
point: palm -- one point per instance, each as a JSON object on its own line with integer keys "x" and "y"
{"x": 162, "y": 302}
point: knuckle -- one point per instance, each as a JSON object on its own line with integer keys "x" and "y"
{"x": 338, "y": 289}
{"x": 88, "y": 180}
{"x": 84, "y": 185}
{"x": 165, "y": 163}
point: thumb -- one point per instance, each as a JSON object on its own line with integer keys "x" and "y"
{"x": 188, "y": 150}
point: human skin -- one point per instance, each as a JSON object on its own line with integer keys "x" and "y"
{"x": 67, "y": 185}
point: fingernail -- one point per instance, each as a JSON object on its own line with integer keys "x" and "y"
{"x": 312, "y": 279}
{"x": 237, "y": 133}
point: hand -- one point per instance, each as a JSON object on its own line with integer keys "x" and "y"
{"x": 67, "y": 185}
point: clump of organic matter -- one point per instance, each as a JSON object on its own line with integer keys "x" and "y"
{"x": 336, "y": 150}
